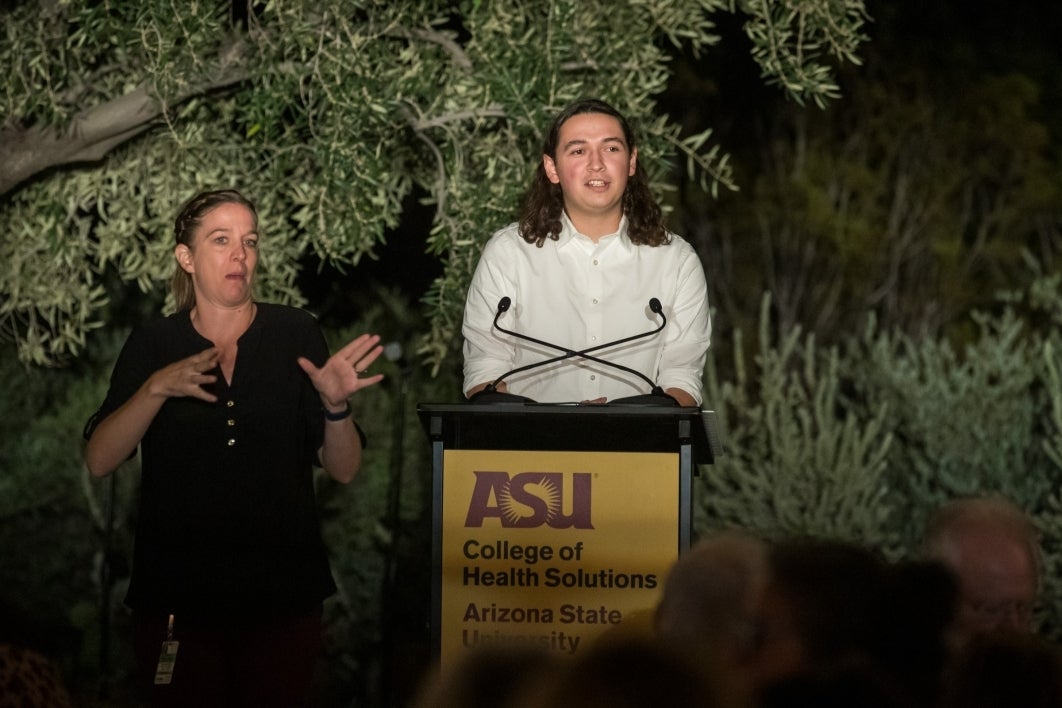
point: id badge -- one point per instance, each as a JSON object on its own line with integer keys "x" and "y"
{"x": 167, "y": 657}
{"x": 167, "y": 660}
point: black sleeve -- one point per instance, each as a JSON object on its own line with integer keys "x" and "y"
{"x": 131, "y": 370}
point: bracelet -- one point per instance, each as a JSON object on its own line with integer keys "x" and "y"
{"x": 338, "y": 415}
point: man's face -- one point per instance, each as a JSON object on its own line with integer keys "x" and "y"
{"x": 998, "y": 584}
{"x": 592, "y": 166}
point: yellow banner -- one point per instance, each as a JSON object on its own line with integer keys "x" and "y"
{"x": 552, "y": 548}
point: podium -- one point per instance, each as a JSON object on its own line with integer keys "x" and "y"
{"x": 552, "y": 524}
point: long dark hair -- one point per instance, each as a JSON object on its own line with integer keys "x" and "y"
{"x": 543, "y": 203}
{"x": 184, "y": 227}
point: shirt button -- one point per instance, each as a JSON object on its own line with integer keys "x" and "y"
{"x": 595, "y": 261}
{"x": 595, "y": 300}
{"x": 230, "y": 422}
{"x": 231, "y": 442}
{"x": 593, "y": 377}
{"x": 230, "y": 404}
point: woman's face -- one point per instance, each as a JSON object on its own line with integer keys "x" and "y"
{"x": 224, "y": 257}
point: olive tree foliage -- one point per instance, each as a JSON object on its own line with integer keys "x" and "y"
{"x": 328, "y": 114}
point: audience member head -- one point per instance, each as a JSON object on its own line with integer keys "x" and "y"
{"x": 711, "y": 593}
{"x": 488, "y": 676}
{"x": 821, "y": 605}
{"x": 920, "y": 600}
{"x": 992, "y": 547}
{"x": 831, "y": 605}
{"x": 628, "y": 672}
{"x": 709, "y": 601}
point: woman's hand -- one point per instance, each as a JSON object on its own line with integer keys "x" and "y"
{"x": 343, "y": 374}
{"x": 117, "y": 435}
{"x": 340, "y": 377}
{"x": 187, "y": 377}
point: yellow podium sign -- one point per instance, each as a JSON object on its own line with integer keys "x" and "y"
{"x": 552, "y": 548}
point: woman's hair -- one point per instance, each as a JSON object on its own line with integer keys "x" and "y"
{"x": 543, "y": 203}
{"x": 185, "y": 226}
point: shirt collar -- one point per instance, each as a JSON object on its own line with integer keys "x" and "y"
{"x": 569, "y": 233}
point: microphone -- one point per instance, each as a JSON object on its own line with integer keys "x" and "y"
{"x": 655, "y": 397}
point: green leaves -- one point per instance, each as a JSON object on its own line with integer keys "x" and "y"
{"x": 794, "y": 41}
{"x": 798, "y": 459}
{"x": 329, "y": 114}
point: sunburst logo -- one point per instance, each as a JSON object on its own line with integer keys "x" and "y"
{"x": 531, "y": 499}
{"x": 545, "y": 490}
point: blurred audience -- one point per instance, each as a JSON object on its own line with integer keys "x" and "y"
{"x": 28, "y": 679}
{"x": 29, "y": 674}
{"x": 1002, "y": 669}
{"x": 746, "y": 623}
{"x": 993, "y": 549}
{"x": 628, "y": 672}
{"x": 852, "y": 684}
{"x": 837, "y": 614}
{"x": 709, "y": 604}
{"x": 488, "y": 676}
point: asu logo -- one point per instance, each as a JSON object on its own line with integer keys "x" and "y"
{"x": 530, "y": 499}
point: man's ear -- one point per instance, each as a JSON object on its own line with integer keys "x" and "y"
{"x": 183, "y": 254}
{"x": 550, "y": 166}
{"x": 634, "y": 162}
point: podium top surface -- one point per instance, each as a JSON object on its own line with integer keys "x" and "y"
{"x": 544, "y": 426}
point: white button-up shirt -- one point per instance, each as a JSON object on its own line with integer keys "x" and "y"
{"x": 579, "y": 294}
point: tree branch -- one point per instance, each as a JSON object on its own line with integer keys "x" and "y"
{"x": 494, "y": 110}
{"x": 457, "y": 54}
{"x": 94, "y": 132}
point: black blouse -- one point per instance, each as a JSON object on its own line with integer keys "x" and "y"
{"x": 228, "y": 520}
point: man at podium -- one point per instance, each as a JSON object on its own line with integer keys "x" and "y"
{"x": 588, "y": 297}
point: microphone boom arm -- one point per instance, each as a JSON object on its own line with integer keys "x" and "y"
{"x": 503, "y": 306}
